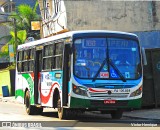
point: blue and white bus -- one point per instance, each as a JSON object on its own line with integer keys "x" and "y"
{"x": 79, "y": 71}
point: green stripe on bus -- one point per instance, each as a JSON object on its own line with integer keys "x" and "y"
{"x": 20, "y": 93}
{"x": 86, "y": 103}
{"x": 78, "y": 103}
{"x": 135, "y": 103}
{"x": 31, "y": 86}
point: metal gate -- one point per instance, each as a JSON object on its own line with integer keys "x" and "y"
{"x": 151, "y": 88}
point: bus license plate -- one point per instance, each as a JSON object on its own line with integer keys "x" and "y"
{"x": 109, "y": 101}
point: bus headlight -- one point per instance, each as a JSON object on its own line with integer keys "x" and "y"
{"x": 137, "y": 92}
{"x": 79, "y": 90}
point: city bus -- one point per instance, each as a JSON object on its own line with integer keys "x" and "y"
{"x": 80, "y": 71}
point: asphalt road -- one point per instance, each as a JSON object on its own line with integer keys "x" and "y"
{"x": 15, "y": 115}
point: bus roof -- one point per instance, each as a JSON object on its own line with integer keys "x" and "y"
{"x": 70, "y": 34}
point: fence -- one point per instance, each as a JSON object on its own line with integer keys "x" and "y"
{"x": 151, "y": 88}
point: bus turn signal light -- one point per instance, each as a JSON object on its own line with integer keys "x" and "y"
{"x": 137, "y": 92}
{"x": 79, "y": 90}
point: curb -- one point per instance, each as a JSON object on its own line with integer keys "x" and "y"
{"x": 142, "y": 118}
{"x": 8, "y": 99}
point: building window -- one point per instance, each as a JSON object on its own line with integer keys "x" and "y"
{"x": 8, "y": 7}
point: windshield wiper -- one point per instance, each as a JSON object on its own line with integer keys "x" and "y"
{"x": 88, "y": 70}
{"x": 119, "y": 73}
{"x": 113, "y": 65}
{"x": 99, "y": 70}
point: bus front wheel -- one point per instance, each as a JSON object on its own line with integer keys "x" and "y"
{"x": 117, "y": 114}
{"x": 61, "y": 110}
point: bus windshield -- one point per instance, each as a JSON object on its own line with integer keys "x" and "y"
{"x": 107, "y": 58}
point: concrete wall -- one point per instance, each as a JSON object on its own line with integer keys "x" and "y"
{"x": 3, "y": 32}
{"x": 140, "y": 17}
{"x": 127, "y": 16}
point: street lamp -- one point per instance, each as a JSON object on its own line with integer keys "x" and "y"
{"x": 15, "y": 31}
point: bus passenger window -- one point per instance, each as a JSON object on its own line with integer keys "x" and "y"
{"x": 20, "y": 54}
{"x": 19, "y": 66}
{"x": 47, "y": 63}
{"x": 25, "y": 66}
{"x": 59, "y": 48}
{"x": 31, "y": 54}
{"x": 19, "y": 61}
{"x": 31, "y": 65}
{"x": 46, "y": 51}
{"x": 58, "y": 62}
{"x": 51, "y": 50}
{"x": 25, "y": 55}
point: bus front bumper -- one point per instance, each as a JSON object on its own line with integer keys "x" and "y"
{"x": 99, "y": 104}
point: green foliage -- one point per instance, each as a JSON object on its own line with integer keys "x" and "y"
{"x": 3, "y": 54}
{"x": 24, "y": 15}
{"x": 21, "y": 37}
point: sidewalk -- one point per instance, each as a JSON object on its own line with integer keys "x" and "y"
{"x": 150, "y": 114}
{"x": 8, "y": 99}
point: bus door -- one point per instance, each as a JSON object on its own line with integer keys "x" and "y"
{"x": 37, "y": 70}
{"x": 66, "y": 74}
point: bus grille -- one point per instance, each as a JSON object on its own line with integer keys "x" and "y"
{"x": 114, "y": 95}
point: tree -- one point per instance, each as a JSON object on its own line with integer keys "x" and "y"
{"x": 24, "y": 15}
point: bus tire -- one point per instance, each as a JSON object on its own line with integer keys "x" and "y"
{"x": 29, "y": 108}
{"x": 61, "y": 110}
{"x": 117, "y": 114}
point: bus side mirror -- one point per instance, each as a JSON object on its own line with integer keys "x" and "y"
{"x": 144, "y": 59}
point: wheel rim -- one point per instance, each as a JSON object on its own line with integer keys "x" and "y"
{"x": 27, "y": 103}
{"x": 60, "y": 109}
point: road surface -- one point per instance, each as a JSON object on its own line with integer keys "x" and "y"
{"x": 14, "y": 114}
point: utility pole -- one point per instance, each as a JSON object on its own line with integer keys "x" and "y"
{"x": 15, "y": 31}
